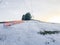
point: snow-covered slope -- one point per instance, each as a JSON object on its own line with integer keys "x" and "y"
{"x": 27, "y": 34}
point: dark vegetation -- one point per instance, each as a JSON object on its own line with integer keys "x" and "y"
{"x": 27, "y": 16}
{"x": 48, "y": 32}
{"x": 2, "y": 22}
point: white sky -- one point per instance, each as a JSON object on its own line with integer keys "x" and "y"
{"x": 40, "y": 9}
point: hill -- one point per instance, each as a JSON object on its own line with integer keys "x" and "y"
{"x": 26, "y": 33}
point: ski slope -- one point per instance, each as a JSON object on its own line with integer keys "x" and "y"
{"x": 27, "y": 34}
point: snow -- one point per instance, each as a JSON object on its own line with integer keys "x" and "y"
{"x": 27, "y": 34}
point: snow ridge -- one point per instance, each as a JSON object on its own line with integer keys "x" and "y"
{"x": 27, "y": 34}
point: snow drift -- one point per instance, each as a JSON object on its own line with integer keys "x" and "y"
{"x": 27, "y": 34}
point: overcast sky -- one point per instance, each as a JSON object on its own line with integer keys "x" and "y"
{"x": 39, "y": 9}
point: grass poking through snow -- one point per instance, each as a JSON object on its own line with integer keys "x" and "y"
{"x": 48, "y": 32}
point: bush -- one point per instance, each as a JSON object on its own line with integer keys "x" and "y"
{"x": 27, "y": 16}
{"x": 23, "y": 17}
{"x": 49, "y": 32}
